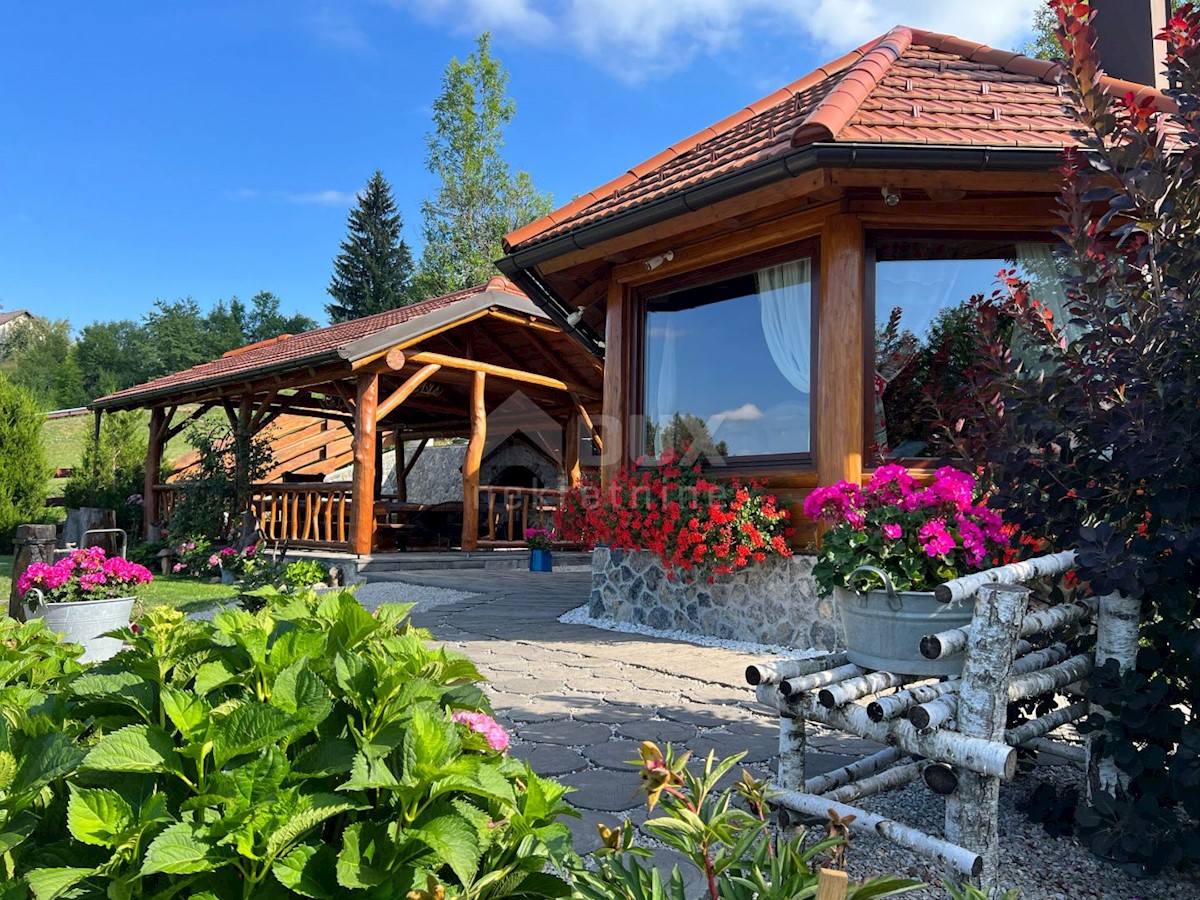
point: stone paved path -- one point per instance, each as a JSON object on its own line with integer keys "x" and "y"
{"x": 579, "y": 700}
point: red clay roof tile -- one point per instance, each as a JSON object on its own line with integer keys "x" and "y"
{"x": 907, "y": 86}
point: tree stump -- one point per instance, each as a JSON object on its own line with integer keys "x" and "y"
{"x": 80, "y": 521}
{"x": 33, "y": 544}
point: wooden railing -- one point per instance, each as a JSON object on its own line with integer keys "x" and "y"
{"x": 506, "y": 512}
{"x": 304, "y": 515}
{"x": 166, "y": 497}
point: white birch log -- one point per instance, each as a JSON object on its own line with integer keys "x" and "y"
{"x": 934, "y": 714}
{"x": 811, "y": 682}
{"x": 780, "y": 670}
{"x": 853, "y": 688}
{"x": 962, "y": 860}
{"x": 868, "y": 765}
{"x": 900, "y": 702}
{"x": 1043, "y": 725}
{"x": 1022, "y": 687}
{"x": 972, "y": 810}
{"x": 792, "y": 747}
{"x": 1040, "y": 659}
{"x": 1118, "y": 626}
{"x": 880, "y": 782}
{"x": 1072, "y": 753}
{"x": 1027, "y": 570}
{"x": 953, "y": 640}
{"x": 985, "y": 757}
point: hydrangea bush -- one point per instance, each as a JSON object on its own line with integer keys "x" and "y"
{"x": 694, "y": 525}
{"x": 86, "y": 574}
{"x": 920, "y": 535}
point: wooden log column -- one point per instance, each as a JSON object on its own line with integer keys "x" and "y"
{"x": 571, "y": 450}
{"x": 401, "y": 471}
{"x": 840, "y": 353}
{"x": 154, "y": 455}
{"x": 32, "y": 544}
{"x": 620, "y": 377}
{"x": 365, "y": 436}
{"x": 971, "y": 811}
{"x": 472, "y": 462}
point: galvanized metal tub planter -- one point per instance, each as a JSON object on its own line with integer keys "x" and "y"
{"x": 884, "y": 627}
{"x": 85, "y": 621}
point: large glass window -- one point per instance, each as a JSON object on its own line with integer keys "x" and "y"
{"x": 924, "y": 328}
{"x": 728, "y": 365}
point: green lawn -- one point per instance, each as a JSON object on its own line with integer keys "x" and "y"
{"x": 184, "y": 594}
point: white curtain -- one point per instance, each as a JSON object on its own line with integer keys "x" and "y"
{"x": 666, "y": 403}
{"x": 785, "y": 295}
{"x": 1038, "y": 265}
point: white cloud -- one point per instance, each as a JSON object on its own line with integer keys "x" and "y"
{"x": 334, "y": 24}
{"x": 320, "y": 198}
{"x": 747, "y": 412}
{"x": 636, "y": 40}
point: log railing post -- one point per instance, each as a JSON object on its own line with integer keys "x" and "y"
{"x": 362, "y": 508}
{"x": 1118, "y": 626}
{"x": 154, "y": 455}
{"x": 472, "y": 462}
{"x": 401, "y": 471}
{"x": 971, "y": 811}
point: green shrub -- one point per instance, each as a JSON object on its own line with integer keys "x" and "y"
{"x": 112, "y": 472}
{"x": 23, "y": 469}
{"x": 733, "y": 848}
{"x": 310, "y": 750}
{"x": 303, "y": 573}
{"x": 213, "y": 496}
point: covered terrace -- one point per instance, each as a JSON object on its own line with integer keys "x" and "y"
{"x": 483, "y": 363}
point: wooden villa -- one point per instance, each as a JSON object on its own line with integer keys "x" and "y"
{"x": 483, "y": 363}
{"x": 777, "y": 282}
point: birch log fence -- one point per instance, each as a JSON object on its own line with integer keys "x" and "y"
{"x": 950, "y": 734}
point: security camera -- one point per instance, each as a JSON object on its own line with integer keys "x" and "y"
{"x": 891, "y": 195}
{"x": 655, "y": 261}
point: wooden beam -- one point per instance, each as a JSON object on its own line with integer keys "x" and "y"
{"x": 841, "y": 350}
{"x": 401, "y": 469}
{"x": 619, "y": 379}
{"x": 174, "y": 430}
{"x": 405, "y": 390}
{"x": 586, "y": 417}
{"x": 533, "y": 323}
{"x": 471, "y": 463}
{"x": 571, "y": 451}
{"x": 408, "y": 466}
{"x": 362, "y": 530}
{"x": 470, "y": 365}
{"x": 764, "y": 236}
{"x": 344, "y": 394}
{"x": 154, "y": 455}
{"x": 554, "y": 357}
{"x": 256, "y": 421}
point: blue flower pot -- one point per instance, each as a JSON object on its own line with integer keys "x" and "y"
{"x": 540, "y": 561}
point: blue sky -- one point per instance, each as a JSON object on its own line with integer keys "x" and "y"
{"x": 166, "y": 149}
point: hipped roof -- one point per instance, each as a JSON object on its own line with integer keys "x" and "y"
{"x": 907, "y": 87}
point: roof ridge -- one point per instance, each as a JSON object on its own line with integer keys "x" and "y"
{"x": 841, "y": 103}
{"x": 805, "y": 82}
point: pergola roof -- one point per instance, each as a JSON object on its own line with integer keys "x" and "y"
{"x": 344, "y": 344}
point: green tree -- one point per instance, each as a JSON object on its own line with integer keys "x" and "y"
{"x": 178, "y": 336}
{"x": 113, "y": 356}
{"x": 39, "y": 358}
{"x": 113, "y": 471}
{"x": 480, "y": 199}
{"x": 23, "y": 468}
{"x": 265, "y": 321}
{"x": 373, "y": 271}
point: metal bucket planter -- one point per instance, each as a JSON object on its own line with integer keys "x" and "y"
{"x": 85, "y": 621}
{"x": 540, "y": 561}
{"x": 884, "y": 628}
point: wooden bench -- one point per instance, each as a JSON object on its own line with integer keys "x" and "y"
{"x": 951, "y": 734}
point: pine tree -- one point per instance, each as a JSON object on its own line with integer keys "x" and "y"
{"x": 373, "y": 271}
{"x": 23, "y": 468}
{"x": 480, "y": 199}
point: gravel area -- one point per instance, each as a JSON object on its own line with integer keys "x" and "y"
{"x": 372, "y": 595}
{"x": 1041, "y": 866}
{"x": 579, "y": 616}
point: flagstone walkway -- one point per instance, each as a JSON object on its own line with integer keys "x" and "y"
{"x": 579, "y": 700}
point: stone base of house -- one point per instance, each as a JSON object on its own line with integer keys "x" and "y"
{"x": 775, "y": 602}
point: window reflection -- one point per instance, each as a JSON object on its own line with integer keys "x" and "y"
{"x": 728, "y": 365}
{"x": 924, "y": 326}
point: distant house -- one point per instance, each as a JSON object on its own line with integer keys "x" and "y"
{"x": 9, "y": 319}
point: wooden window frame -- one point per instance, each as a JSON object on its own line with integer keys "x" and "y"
{"x": 871, "y": 240}
{"x": 743, "y": 466}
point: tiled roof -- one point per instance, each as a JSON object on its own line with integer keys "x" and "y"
{"x": 321, "y": 344}
{"x": 906, "y": 87}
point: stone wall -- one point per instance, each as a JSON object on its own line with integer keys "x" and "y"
{"x": 774, "y": 602}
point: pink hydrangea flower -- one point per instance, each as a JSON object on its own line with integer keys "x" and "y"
{"x": 482, "y": 723}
